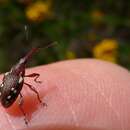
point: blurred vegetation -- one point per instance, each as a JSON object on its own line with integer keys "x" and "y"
{"x": 96, "y": 28}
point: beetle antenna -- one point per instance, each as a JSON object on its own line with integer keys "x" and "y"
{"x": 35, "y": 49}
{"x": 49, "y": 45}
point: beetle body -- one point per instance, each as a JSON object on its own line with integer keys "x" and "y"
{"x": 10, "y": 88}
{"x": 13, "y": 81}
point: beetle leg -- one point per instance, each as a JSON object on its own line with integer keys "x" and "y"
{"x": 21, "y": 108}
{"x": 36, "y": 75}
{"x": 36, "y": 92}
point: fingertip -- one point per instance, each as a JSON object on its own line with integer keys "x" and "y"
{"x": 90, "y": 94}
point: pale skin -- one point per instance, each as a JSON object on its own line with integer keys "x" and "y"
{"x": 80, "y": 95}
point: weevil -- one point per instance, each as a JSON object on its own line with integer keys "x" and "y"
{"x": 13, "y": 82}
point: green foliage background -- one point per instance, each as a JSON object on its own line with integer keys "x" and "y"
{"x": 71, "y": 26}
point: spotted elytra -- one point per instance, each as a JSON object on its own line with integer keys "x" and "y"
{"x": 13, "y": 82}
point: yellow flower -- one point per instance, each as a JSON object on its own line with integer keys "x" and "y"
{"x": 106, "y": 50}
{"x": 70, "y": 55}
{"x": 38, "y": 11}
